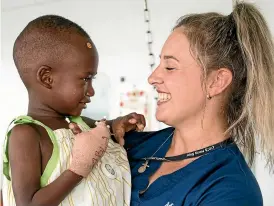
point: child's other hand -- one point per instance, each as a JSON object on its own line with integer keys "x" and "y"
{"x": 121, "y": 125}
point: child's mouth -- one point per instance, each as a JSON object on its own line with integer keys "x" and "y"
{"x": 83, "y": 104}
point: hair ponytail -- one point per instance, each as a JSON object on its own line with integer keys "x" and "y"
{"x": 257, "y": 116}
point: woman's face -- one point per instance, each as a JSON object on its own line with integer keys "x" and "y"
{"x": 177, "y": 79}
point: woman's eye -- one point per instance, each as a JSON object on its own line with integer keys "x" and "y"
{"x": 168, "y": 68}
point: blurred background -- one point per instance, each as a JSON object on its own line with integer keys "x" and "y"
{"x": 127, "y": 39}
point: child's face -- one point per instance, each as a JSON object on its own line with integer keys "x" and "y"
{"x": 72, "y": 81}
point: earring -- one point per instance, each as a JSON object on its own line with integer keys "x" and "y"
{"x": 208, "y": 97}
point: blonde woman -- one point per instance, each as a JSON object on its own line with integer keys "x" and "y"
{"x": 215, "y": 83}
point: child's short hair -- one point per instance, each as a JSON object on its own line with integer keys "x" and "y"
{"x": 43, "y": 38}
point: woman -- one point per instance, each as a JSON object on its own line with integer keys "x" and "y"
{"x": 215, "y": 83}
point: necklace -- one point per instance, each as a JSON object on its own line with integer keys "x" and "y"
{"x": 145, "y": 165}
{"x": 184, "y": 156}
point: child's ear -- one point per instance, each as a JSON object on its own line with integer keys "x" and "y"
{"x": 44, "y": 76}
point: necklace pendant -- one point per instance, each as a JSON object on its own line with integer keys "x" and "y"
{"x": 143, "y": 168}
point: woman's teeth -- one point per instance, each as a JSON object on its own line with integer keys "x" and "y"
{"x": 163, "y": 97}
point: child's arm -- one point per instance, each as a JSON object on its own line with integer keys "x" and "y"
{"x": 25, "y": 161}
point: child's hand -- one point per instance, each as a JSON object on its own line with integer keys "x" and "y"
{"x": 88, "y": 148}
{"x": 121, "y": 125}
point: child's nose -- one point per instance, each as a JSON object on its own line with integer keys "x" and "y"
{"x": 90, "y": 90}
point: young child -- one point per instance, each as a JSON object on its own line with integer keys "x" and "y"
{"x": 43, "y": 164}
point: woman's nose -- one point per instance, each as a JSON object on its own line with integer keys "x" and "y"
{"x": 155, "y": 77}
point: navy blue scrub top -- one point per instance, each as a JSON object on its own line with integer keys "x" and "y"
{"x": 219, "y": 178}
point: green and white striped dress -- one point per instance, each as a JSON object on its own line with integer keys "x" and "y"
{"x": 109, "y": 183}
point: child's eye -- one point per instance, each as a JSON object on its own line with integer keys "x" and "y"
{"x": 89, "y": 78}
{"x": 86, "y": 79}
{"x": 168, "y": 68}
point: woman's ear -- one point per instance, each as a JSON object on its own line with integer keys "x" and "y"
{"x": 44, "y": 76}
{"x": 219, "y": 81}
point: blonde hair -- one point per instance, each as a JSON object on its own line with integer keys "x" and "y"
{"x": 242, "y": 43}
